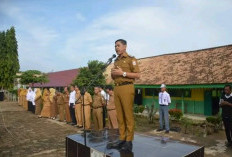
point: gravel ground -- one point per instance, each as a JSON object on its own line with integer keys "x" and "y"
{"x": 23, "y": 134}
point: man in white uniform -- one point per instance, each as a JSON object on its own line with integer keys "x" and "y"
{"x": 164, "y": 101}
{"x": 72, "y": 99}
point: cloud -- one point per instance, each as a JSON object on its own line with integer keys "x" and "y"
{"x": 34, "y": 39}
{"x": 151, "y": 31}
{"x": 80, "y": 17}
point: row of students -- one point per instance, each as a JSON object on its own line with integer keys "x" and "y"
{"x": 68, "y": 106}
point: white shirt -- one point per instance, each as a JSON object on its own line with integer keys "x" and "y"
{"x": 103, "y": 94}
{"x": 31, "y": 96}
{"x": 164, "y": 98}
{"x": 107, "y": 97}
{"x": 72, "y": 97}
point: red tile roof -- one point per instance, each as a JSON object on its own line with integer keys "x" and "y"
{"x": 60, "y": 78}
{"x": 206, "y": 66}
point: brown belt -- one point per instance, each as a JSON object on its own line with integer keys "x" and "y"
{"x": 110, "y": 109}
{"x": 123, "y": 83}
{"x": 97, "y": 107}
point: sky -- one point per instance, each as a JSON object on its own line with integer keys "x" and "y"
{"x": 55, "y": 35}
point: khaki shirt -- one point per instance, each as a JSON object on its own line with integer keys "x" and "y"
{"x": 98, "y": 100}
{"x": 127, "y": 64}
{"x": 111, "y": 105}
{"x": 60, "y": 99}
{"x": 87, "y": 99}
{"x": 78, "y": 96}
{"x": 46, "y": 98}
{"x": 66, "y": 97}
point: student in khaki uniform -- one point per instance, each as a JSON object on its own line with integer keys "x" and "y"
{"x": 87, "y": 107}
{"x": 111, "y": 110}
{"x": 61, "y": 106}
{"x": 38, "y": 101}
{"x": 24, "y": 99}
{"x": 98, "y": 102}
{"x": 53, "y": 101}
{"x": 19, "y": 96}
{"x": 78, "y": 108}
{"x": 124, "y": 72}
{"x": 66, "y": 104}
{"x": 46, "y": 111}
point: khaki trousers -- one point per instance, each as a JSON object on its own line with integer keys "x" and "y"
{"x": 38, "y": 106}
{"x": 112, "y": 119}
{"x": 25, "y": 104}
{"x": 79, "y": 114}
{"x": 124, "y": 100}
{"x": 67, "y": 112}
{"x": 87, "y": 117}
{"x": 98, "y": 119}
{"x": 61, "y": 108}
{"x": 20, "y": 100}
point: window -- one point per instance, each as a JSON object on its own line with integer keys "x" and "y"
{"x": 172, "y": 92}
{"x": 179, "y": 92}
{"x": 152, "y": 91}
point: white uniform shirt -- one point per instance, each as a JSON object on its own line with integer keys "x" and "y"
{"x": 103, "y": 94}
{"x": 164, "y": 98}
{"x": 107, "y": 97}
{"x": 72, "y": 97}
{"x": 31, "y": 96}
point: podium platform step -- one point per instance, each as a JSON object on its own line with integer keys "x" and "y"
{"x": 94, "y": 144}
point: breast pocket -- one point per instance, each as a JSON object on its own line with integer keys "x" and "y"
{"x": 125, "y": 66}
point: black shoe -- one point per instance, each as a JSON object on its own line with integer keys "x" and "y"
{"x": 73, "y": 124}
{"x": 167, "y": 132}
{"x": 158, "y": 130}
{"x": 116, "y": 145}
{"x": 127, "y": 147}
{"x": 229, "y": 144}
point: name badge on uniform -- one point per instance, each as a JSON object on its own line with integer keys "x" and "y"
{"x": 134, "y": 62}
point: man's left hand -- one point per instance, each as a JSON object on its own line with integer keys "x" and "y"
{"x": 117, "y": 72}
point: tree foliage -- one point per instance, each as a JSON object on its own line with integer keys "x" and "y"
{"x": 93, "y": 73}
{"x": 33, "y": 76}
{"x": 9, "y": 63}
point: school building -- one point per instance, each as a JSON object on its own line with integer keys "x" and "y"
{"x": 194, "y": 79}
{"x": 59, "y": 79}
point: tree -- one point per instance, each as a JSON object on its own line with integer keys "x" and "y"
{"x": 3, "y": 67}
{"x": 9, "y": 63}
{"x": 33, "y": 76}
{"x": 91, "y": 74}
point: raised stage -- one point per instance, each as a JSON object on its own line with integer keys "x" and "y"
{"x": 143, "y": 146}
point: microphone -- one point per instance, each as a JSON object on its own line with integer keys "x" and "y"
{"x": 109, "y": 61}
{"x": 114, "y": 55}
{"x": 111, "y": 58}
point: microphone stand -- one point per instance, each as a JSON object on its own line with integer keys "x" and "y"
{"x": 89, "y": 85}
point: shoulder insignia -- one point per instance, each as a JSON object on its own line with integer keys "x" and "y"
{"x": 134, "y": 62}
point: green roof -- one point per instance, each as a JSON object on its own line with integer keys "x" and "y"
{"x": 183, "y": 86}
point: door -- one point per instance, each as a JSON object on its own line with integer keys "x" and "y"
{"x": 138, "y": 96}
{"x": 208, "y": 103}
